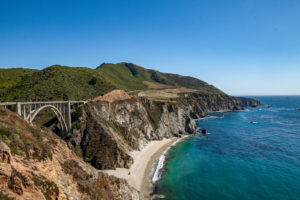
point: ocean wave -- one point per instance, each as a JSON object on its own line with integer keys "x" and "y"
{"x": 159, "y": 166}
{"x": 246, "y": 110}
{"x": 161, "y": 161}
{"x": 211, "y": 117}
{"x": 283, "y": 123}
{"x": 280, "y": 109}
{"x": 214, "y": 117}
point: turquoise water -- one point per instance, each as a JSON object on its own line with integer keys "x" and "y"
{"x": 239, "y": 160}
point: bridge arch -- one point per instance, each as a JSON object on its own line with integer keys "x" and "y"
{"x": 58, "y": 114}
{"x": 29, "y": 110}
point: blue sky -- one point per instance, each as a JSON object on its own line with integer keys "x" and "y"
{"x": 244, "y": 47}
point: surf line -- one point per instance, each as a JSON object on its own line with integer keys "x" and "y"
{"x": 158, "y": 165}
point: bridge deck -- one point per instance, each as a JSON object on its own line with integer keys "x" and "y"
{"x": 29, "y": 110}
{"x": 39, "y": 102}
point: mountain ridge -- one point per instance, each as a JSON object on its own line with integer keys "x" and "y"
{"x": 104, "y": 131}
{"x": 59, "y": 82}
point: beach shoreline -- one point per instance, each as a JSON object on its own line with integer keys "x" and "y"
{"x": 138, "y": 175}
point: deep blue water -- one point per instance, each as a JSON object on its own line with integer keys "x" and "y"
{"x": 239, "y": 160}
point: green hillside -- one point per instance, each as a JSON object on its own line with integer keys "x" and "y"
{"x": 79, "y": 83}
{"x": 58, "y": 83}
{"x": 12, "y": 77}
{"x": 129, "y": 76}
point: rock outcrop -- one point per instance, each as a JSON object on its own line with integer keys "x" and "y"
{"x": 48, "y": 169}
{"x": 104, "y": 133}
{"x": 5, "y": 154}
{"x": 113, "y": 96}
{"x": 37, "y": 164}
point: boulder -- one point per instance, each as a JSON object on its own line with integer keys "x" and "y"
{"x": 15, "y": 184}
{"x": 19, "y": 181}
{"x": 203, "y": 131}
{"x": 5, "y": 155}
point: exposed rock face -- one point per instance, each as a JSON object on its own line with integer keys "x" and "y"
{"x": 18, "y": 182}
{"x": 37, "y": 164}
{"x": 113, "y": 95}
{"x": 105, "y": 187}
{"x": 105, "y": 132}
{"x": 5, "y": 154}
{"x": 60, "y": 175}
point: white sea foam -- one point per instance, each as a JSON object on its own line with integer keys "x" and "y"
{"x": 210, "y": 117}
{"x": 223, "y": 111}
{"x": 280, "y": 109}
{"x": 161, "y": 162}
{"x": 159, "y": 166}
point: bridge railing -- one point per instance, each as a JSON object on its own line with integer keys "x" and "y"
{"x": 39, "y": 102}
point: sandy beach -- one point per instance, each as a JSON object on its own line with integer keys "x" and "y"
{"x": 138, "y": 174}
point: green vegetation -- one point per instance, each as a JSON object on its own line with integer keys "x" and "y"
{"x": 25, "y": 139}
{"x": 58, "y": 83}
{"x": 129, "y": 77}
{"x": 7, "y": 138}
{"x": 79, "y": 83}
{"x": 12, "y": 77}
{"x": 85, "y": 183}
{"x": 47, "y": 187}
{"x": 5, "y": 197}
{"x": 125, "y": 76}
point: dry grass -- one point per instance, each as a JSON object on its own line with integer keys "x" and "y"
{"x": 169, "y": 93}
{"x": 113, "y": 95}
{"x": 155, "y": 85}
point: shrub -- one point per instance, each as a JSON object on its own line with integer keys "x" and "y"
{"x": 5, "y": 197}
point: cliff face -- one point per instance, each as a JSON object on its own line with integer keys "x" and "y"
{"x": 104, "y": 133}
{"x": 37, "y": 164}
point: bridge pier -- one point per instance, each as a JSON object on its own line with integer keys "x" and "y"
{"x": 62, "y": 110}
{"x": 68, "y": 115}
{"x": 18, "y": 108}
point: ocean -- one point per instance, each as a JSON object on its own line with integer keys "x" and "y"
{"x": 247, "y": 155}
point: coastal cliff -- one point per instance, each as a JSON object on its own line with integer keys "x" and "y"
{"x": 138, "y": 106}
{"x": 37, "y": 164}
{"x": 105, "y": 133}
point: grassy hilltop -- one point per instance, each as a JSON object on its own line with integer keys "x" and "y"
{"x": 78, "y": 83}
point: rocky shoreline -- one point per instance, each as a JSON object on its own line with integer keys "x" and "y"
{"x": 136, "y": 107}
{"x": 36, "y": 163}
{"x": 108, "y": 131}
{"x": 139, "y": 174}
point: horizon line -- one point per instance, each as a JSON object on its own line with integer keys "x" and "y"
{"x": 245, "y": 95}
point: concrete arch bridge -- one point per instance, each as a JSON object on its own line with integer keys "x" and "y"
{"x": 29, "y": 110}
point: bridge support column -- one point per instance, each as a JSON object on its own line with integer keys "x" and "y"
{"x": 62, "y": 109}
{"x": 18, "y": 108}
{"x": 68, "y": 115}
